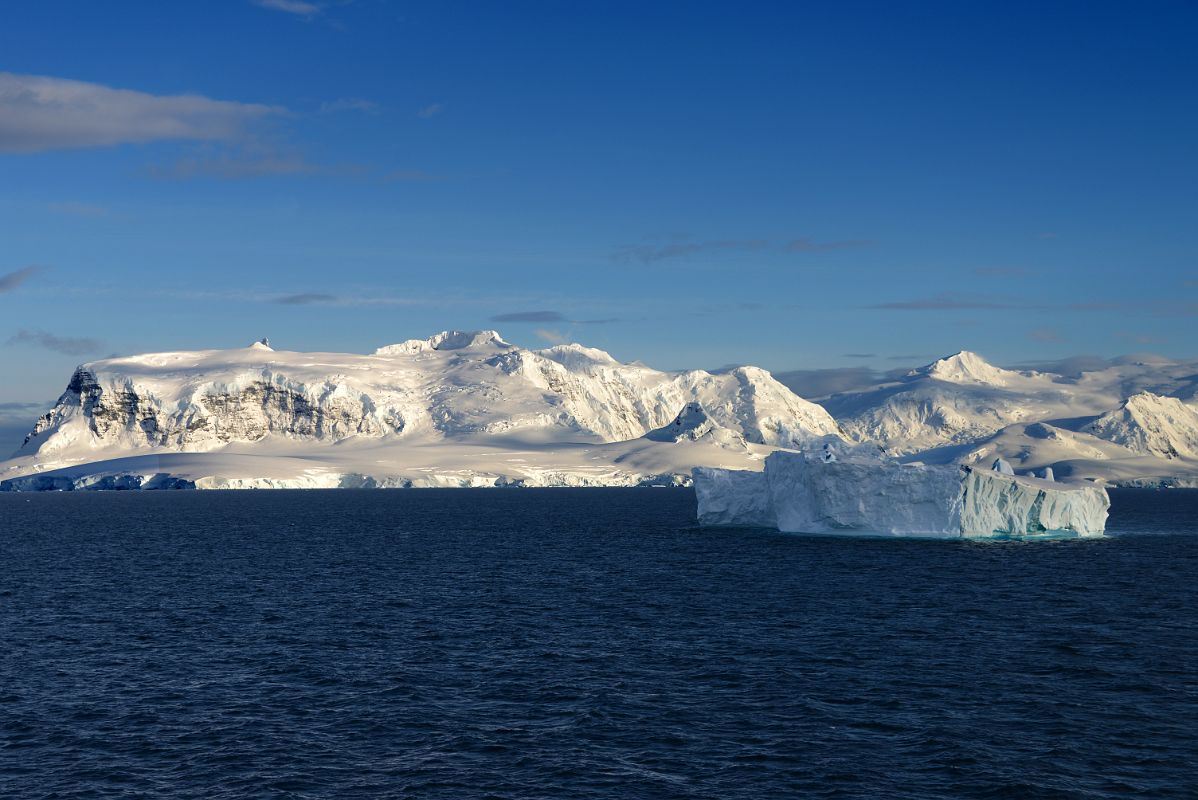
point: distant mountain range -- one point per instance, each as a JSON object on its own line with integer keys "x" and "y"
{"x": 1132, "y": 421}
{"x": 467, "y": 408}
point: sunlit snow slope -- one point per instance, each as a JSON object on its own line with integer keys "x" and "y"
{"x": 1133, "y": 421}
{"x": 459, "y": 408}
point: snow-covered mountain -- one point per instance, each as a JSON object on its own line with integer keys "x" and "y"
{"x": 1150, "y": 424}
{"x": 468, "y": 408}
{"x": 466, "y": 389}
{"x": 1130, "y": 421}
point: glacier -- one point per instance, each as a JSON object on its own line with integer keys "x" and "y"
{"x": 820, "y": 492}
{"x": 1129, "y": 421}
{"x": 460, "y": 408}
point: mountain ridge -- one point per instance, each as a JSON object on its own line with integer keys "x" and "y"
{"x": 460, "y": 398}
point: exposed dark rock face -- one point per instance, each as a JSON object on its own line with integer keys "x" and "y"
{"x": 216, "y": 417}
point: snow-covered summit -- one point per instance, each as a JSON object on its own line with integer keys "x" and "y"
{"x": 694, "y": 424}
{"x": 965, "y": 367}
{"x": 455, "y": 386}
{"x": 1147, "y": 423}
{"x": 1128, "y": 419}
{"x": 447, "y": 340}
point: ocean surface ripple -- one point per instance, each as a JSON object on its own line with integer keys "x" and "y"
{"x": 582, "y": 644}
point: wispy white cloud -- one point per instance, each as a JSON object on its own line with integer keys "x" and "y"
{"x": 1045, "y": 336}
{"x": 305, "y": 299}
{"x": 349, "y": 104}
{"x": 530, "y": 316}
{"x": 808, "y": 245}
{"x": 946, "y": 301}
{"x": 252, "y": 159}
{"x": 227, "y": 165}
{"x": 647, "y": 253}
{"x": 430, "y": 111}
{"x": 39, "y": 113}
{"x": 1141, "y": 338}
{"x": 410, "y": 176}
{"x": 68, "y": 345}
{"x": 683, "y": 246}
{"x": 11, "y": 280}
{"x": 550, "y": 335}
{"x": 301, "y": 8}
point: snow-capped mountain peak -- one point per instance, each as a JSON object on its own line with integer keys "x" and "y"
{"x": 1151, "y": 424}
{"x": 453, "y": 386}
{"x": 694, "y": 424}
{"x": 447, "y": 340}
{"x": 577, "y": 356}
{"x": 965, "y": 367}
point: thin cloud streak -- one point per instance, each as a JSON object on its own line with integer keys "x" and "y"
{"x": 1045, "y": 336}
{"x": 943, "y": 302}
{"x": 11, "y": 280}
{"x": 67, "y": 345}
{"x": 252, "y": 161}
{"x": 530, "y": 316}
{"x": 301, "y": 8}
{"x": 430, "y": 111}
{"x": 949, "y": 301}
{"x": 39, "y": 113}
{"x": 550, "y": 316}
{"x": 410, "y": 176}
{"x": 304, "y": 299}
{"x": 551, "y": 335}
{"x": 650, "y": 253}
{"x": 681, "y": 247}
{"x": 349, "y": 104}
{"x": 806, "y": 245}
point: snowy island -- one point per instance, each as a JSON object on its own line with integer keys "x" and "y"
{"x": 467, "y": 408}
{"x": 459, "y": 409}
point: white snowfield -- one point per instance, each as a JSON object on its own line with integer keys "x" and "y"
{"x": 466, "y": 408}
{"x": 456, "y": 409}
{"x": 1131, "y": 421}
{"x": 822, "y": 493}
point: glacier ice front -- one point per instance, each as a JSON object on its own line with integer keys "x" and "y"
{"x": 823, "y": 493}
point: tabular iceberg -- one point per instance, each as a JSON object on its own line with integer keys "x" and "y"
{"x": 823, "y": 493}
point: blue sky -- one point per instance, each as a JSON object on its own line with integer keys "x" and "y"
{"x": 693, "y": 184}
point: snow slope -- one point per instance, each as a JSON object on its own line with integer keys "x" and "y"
{"x": 1133, "y": 421}
{"x": 1151, "y": 424}
{"x": 451, "y": 409}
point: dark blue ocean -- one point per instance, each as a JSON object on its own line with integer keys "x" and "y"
{"x": 582, "y": 644}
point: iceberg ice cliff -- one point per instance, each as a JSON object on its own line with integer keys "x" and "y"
{"x": 823, "y": 492}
